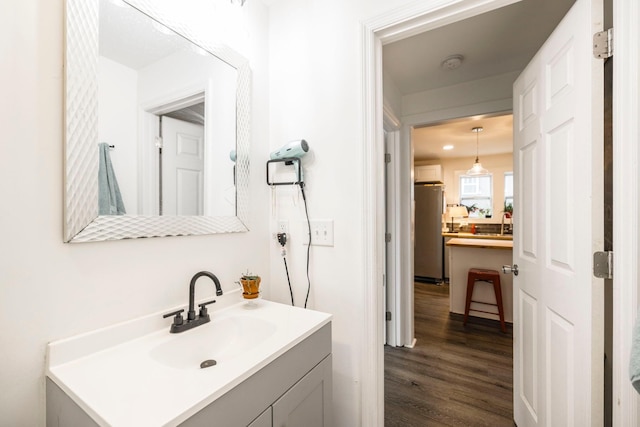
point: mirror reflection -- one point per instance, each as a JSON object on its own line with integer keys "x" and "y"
{"x": 126, "y": 78}
{"x": 167, "y": 110}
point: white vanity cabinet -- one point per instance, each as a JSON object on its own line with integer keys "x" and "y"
{"x": 295, "y": 389}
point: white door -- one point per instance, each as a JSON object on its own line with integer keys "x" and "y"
{"x": 182, "y": 167}
{"x": 390, "y": 282}
{"x": 558, "y": 319}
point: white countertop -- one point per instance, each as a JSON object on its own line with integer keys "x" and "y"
{"x": 110, "y": 374}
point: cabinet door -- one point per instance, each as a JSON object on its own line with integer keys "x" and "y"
{"x": 429, "y": 173}
{"x": 308, "y": 402}
{"x": 263, "y": 420}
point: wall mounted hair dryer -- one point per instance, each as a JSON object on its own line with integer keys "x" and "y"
{"x": 293, "y": 149}
{"x": 289, "y": 154}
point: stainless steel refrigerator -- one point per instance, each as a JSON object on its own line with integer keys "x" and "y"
{"x": 428, "y": 243}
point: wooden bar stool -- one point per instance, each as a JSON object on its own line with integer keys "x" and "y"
{"x": 491, "y": 276}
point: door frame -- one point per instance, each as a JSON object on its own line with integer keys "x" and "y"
{"x": 418, "y": 17}
{"x": 392, "y": 252}
{"x": 148, "y": 113}
{"x": 626, "y": 192}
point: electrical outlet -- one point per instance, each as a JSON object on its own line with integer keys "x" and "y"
{"x": 321, "y": 233}
{"x": 283, "y": 227}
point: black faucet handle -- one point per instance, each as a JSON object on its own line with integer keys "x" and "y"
{"x": 203, "y": 307}
{"x": 178, "y": 319}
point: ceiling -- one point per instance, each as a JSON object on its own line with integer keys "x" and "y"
{"x": 495, "y": 138}
{"x": 131, "y": 38}
{"x": 496, "y": 42}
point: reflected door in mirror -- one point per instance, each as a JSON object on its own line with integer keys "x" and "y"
{"x": 124, "y": 70}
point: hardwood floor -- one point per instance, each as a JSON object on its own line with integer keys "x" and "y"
{"x": 455, "y": 375}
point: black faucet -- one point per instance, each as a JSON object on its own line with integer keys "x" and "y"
{"x": 179, "y": 324}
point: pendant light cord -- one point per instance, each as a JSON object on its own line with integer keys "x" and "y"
{"x": 477, "y": 130}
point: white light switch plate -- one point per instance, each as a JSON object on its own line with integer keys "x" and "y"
{"x": 321, "y": 233}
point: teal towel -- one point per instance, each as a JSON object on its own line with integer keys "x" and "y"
{"x": 634, "y": 360}
{"x": 109, "y": 197}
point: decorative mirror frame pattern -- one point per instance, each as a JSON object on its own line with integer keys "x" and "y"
{"x": 82, "y": 222}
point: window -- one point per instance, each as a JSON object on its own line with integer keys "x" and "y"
{"x": 508, "y": 189}
{"x": 476, "y": 195}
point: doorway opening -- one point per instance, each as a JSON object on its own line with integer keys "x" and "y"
{"x": 172, "y": 157}
{"x": 428, "y": 92}
{"x": 385, "y": 29}
{"x": 437, "y": 112}
{"x": 187, "y": 156}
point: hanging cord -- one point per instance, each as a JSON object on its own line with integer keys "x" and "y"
{"x": 282, "y": 239}
{"x": 306, "y": 211}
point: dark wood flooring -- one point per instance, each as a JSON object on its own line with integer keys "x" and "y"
{"x": 455, "y": 375}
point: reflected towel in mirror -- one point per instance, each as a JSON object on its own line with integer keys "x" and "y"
{"x": 109, "y": 197}
{"x": 634, "y": 359}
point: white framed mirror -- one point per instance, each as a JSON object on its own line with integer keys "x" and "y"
{"x": 152, "y": 91}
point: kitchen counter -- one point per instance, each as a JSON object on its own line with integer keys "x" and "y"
{"x": 465, "y": 253}
{"x": 479, "y": 236}
{"x": 481, "y": 243}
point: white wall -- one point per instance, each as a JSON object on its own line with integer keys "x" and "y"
{"x": 316, "y": 94}
{"x": 52, "y": 290}
{"x": 391, "y": 93}
{"x": 118, "y": 125}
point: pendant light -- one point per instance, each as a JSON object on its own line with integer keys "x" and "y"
{"x": 477, "y": 169}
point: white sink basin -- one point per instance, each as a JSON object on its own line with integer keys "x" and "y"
{"x": 127, "y": 374}
{"x": 219, "y": 340}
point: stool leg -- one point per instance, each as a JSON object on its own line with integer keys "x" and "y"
{"x": 497, "y": 289}
{"x": 471, "y": 281}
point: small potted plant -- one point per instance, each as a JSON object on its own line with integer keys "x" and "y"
{"x": 472, "y": 208}
{"x": 250, "y": 286}
{"x": 508, "y": 209}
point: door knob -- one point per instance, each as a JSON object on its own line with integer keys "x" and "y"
{"x": 506, "y": 269}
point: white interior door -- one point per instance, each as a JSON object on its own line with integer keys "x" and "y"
{"x": 390, "y": 268}
{"x": 182, "y": 167}
{"x": 558, "y": 304}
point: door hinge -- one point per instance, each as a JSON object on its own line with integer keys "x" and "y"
{"x": 603, "y": 44}
{"x": 387, "y": 237}
{"x": 603, "y": 264}
{"x": 388, "y": 316}
{"x": 387, "y": 158}
{"x": 158, "y": 142}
